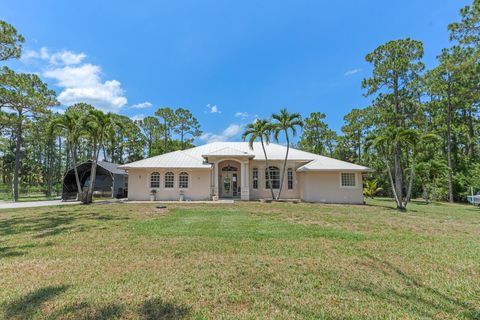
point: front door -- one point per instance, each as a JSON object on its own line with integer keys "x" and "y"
{"x": 229, "y": 184}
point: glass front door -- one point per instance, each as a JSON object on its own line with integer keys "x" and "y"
{"x": 229, "y": 184}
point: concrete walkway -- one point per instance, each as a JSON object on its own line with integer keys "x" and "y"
{"x": 46, "y": 203}
{"x": 33, "y": 204}
{"x": 183, "y": 202}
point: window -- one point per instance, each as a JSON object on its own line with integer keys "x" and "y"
{"x": 290, "y": 178}
{"x": 348, "y": 180}
{"x": 169, "y": 180}
{"x": 274, "y": 173}
{"x": 255, "y": 178}
{"x": 155, "y": 180}
{"x": 183, "y": 180}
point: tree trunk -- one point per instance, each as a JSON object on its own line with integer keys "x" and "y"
{"x": 166, "y": 136}
{"x": 50, "y": 164}
{"x": 73, "y": 150}
{"x": 359, "y": 147}
{"x": 471, "y": 132}
{"x": 93, "y": 172}
{"x": 395, "y": 195}
{"x": 18, "y": 156}
{"x": 398, "y": 151}
{"x": 410, "y": 183}
{"x": 268, "y": 169}
{"x": 449, "y": 146}
{"x": 182, "y": 139}
{"x": 284, "y": 166}
{"x": 59, "y": 173}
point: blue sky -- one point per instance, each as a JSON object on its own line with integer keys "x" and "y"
{"x": 227, "y": 61}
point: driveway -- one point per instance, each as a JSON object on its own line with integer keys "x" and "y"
{"x": 33, "y": 204}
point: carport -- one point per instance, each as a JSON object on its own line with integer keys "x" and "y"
{"x": 110, "y": 181}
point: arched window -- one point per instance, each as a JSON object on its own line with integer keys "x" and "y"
{"x": 274, "y": 174}
{"x": 183, "y": 180}
{"x": 169, "y": 180}
{"x": 155, "y": 180}
{"x": 255, "y": 178}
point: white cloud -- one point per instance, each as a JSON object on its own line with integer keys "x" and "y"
{"x": 67, "y": 58}
{"x": 213, "y": 108}
{"x": 231, "y": 132}
{"x": 138, "y": 117}
{"x": 86, "y": 75}
{"x": 246, "y": 115}
{"x": 242, "y": 115}
{"x": 142, "y": 105}
{"x": 64, "y": 57}
{"x": 352, "y": 72}
{"x": 83, "y": 84}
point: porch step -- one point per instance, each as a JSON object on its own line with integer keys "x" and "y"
{"x": 225, "y": 201}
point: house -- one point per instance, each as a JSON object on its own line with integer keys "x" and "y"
{"x": 110, "y": 181}
{"x": 233, "y": 170}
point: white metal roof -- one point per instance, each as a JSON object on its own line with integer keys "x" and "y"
{"x": 194, "y": 157}
{"x": 175, "y": 159}
{"x": 228, "y": 151}
{"x": 274, "y": 151}
{"x": 329, "y": 164}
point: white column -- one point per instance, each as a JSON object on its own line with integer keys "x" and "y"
{"x": 215, "y": 179}
{"x": 245, "y": 181}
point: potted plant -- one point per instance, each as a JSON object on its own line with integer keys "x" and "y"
{"x": 153, "y": 194}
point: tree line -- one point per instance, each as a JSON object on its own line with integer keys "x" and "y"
{"x": 38, "y": 145}
{"x": 420, "y": 133}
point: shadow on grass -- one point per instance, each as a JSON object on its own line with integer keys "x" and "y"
{"x": 158, "y": 309}
{"x": 416, "y": 296}
{"x": 28, "y": 305}
{"x": 20, "y": 250}
{"x": 84, "y": 310}
{"x": 53, "y": 223}
{"x": 148, "y": 310}
{"x": 390, "y": 206}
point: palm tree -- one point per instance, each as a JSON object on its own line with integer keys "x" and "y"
{"x": 386, "y": 141}
{"x": 286, "y": 122}
{"x": 371, "y": 188}
{"x": 414, "y": 139}
{"x": 95, "y": 129}
{"x": 260, "y": 129}
{"x": 71, "y": 123}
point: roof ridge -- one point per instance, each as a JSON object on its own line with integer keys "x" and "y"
{"x": 187, "y": 154}
{"x": 228, "y": 147}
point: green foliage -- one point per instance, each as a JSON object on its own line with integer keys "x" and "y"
{"x": 316, "y": 136}
{"x": 371, "y": 188}
{"x": 187, "y": 125}
{"x": 10, "y": 42}
{"x": 261, "y": 129}
{"x": 285, "y": 122}
{"x": 467, "y": 31}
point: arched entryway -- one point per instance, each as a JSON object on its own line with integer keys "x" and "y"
{"x": 229, "y": 179}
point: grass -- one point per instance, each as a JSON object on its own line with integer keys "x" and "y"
{"x": 241, "y": 261}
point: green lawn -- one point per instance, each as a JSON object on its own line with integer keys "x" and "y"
{"x": 242, "y": 261}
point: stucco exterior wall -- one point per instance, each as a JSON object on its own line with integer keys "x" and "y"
{"x": 308, "y": 186}
{"x": 325, "y": 187}
{"x": 139, "y": 185}
{"x": 262, "y": 192}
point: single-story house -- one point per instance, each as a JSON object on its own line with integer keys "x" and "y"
{"x": 110, "y": 181}
{"x": 234, "y": 170}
